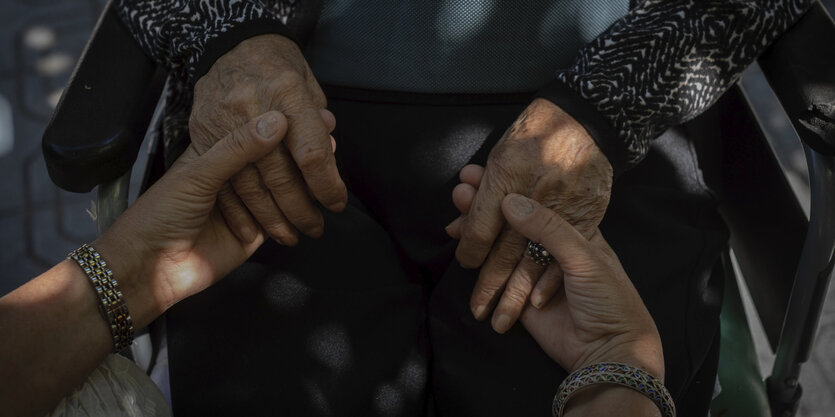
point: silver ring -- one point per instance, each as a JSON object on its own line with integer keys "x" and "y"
{"x": 539, "y": 254}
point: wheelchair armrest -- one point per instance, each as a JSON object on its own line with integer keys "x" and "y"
{"x": 799, "y": 68}
{"x": 97, "y": 128}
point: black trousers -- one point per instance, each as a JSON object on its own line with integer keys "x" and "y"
{"x": 373, "y": 318}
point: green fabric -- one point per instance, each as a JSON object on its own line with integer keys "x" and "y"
{"x": 743, "y": 390}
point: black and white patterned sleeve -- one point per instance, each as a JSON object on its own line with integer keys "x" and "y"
{"x": 664, "y": 63}
{"x": 187, "y": 36}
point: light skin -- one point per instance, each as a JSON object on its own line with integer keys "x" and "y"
{"x": 171, "y": 244}
{"x": 597, "y": 316}
{"x": 545, "y": 155}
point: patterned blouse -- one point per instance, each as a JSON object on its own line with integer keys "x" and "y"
{"x": 663, "y": 63}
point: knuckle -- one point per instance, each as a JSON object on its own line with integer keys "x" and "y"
{"x": 282, "y": 183}
{"x": 506, "y": 258}
{"x": 516, "y": 295}
{"x": 237, "y": 142}
{"x": 249, "y": 190}
{"x": 331, "y": 192}
{"x": 230, "y": 205}
{"x": 285, "y": 79}
{"x": 312, "y": 157}
{"x": 319, "y": 99}
{"x": 487, "y": 290}
{"x": 236, "y": 99}
{"x": 469, "y": 258}
{"x": 552, "y": 226}
{"x": 476, "y": 233}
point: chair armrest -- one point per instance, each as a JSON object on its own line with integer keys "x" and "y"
{"x": 799, "y": 67}
{"x": 97, "y": 128}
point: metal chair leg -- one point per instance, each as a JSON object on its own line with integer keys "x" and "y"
{"x": 809, "y": 292}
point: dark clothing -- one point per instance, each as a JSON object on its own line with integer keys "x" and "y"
{"x": 661, "y": 64}
{"x": 373, "y": 318}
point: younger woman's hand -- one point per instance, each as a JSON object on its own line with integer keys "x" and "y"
{"x": 173, "y": 242}
{"x": 598, "y": 316}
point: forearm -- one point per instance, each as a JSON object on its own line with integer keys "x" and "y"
{"x": 167, "y": 246}
{"x": 668, "y": 60}
{"x": 54, "y": 336}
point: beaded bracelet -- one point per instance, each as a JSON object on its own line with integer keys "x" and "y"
{"x": 614, "y": 373}
{"x": 111, "y": 304}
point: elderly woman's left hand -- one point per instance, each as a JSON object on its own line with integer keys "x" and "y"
{"x": 545, "y": 155}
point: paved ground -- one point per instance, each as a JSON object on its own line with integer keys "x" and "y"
{"x": 39, "y": 43}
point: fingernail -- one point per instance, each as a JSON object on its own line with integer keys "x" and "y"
{"x": 536, "y": 300}
{"x": 267, "y": 125}
{"x": 519, "y": 206}
{"x": 502, "y": 323}
{"x": 479, "y": 311}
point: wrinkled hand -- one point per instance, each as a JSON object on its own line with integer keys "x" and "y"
{"x": 599, "y": 317}
{"x": 268, "y": 72}
{"x": 545, "y": 155}
{"x": 173, "y": 240}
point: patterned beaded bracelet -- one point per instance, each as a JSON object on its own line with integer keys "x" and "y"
{"x": 614, "y": 373}
{"x": 111, "y": 304}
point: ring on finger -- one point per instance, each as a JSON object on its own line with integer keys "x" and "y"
{"x": 539, "y": 254}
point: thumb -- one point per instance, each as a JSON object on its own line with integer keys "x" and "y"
{"x": 246, "y": 144}
{"x": 545, "y": 226}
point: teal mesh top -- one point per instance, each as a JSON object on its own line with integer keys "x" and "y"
{"x": 453, "y": 46}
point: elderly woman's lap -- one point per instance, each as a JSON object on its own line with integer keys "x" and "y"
{"x": 333, "y": 326}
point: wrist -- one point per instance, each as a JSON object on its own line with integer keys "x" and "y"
{"x": 574, "y": 145}
{"x": 128, "y": 261}
{"x": 644, "y": 352}
{"x": 222, "y": 43}
{"x": 608, "y": 400}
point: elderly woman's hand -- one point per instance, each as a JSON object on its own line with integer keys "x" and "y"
{"x": 548, "y": 156}
{"x": 173, "y": 242}
{"x": 268, "y": 72}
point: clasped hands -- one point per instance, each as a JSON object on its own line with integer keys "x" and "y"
{"x": 545, "y": 155}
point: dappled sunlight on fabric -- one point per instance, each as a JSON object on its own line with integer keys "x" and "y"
{"x": 330, "y": 345}
{"x": 450, "y": 154}
{"x": 318, "y": 398}
{"x": 388, "y": 400}
{"x": 287, "y": 292}
{"x": 413, "y": 375}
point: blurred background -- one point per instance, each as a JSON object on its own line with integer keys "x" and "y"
{"x": 40, "y": 41}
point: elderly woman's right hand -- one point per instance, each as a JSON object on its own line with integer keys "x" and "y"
{"x": 262, "y": 73}
{"x": 598, "y": 316}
